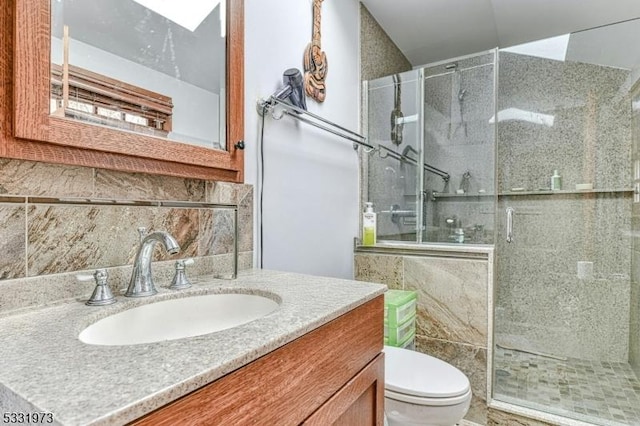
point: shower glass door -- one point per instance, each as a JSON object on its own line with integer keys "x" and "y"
{"x": 566, "y": 324}
{"x": 431, "y": 175}
{"x": 393, "y": 182}
{"x": 459, "y": 139}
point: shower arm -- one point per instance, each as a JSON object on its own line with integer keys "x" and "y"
{"x": 404, "y": 158}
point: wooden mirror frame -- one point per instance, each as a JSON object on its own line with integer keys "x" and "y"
{"x": 40, "y": 136}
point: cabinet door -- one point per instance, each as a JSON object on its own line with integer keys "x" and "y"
{"x": 295, "y": 381}
{"x": 360, "y": 402}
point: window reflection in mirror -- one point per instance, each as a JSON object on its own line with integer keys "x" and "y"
{"x": 156, "y": 71}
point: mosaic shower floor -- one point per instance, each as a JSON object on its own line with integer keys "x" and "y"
{"x": 593, "y": 391}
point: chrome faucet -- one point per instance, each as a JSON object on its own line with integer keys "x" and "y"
{"x": 141, "y": 283}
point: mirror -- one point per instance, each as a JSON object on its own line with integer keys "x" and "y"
{"x": 134, "y": 135}
{"x": 143, "y": 66}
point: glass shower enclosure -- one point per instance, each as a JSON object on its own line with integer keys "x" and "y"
{"x": 566, "y": 335}
{"x": 535, "y": 150}
{"x": 431, "y": 176}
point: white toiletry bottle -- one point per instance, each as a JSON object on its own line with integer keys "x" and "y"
{"x": 556, "y": 181}
{"x": 368, "y": 225}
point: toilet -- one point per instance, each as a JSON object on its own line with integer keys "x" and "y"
{"x": 423, "y": 390}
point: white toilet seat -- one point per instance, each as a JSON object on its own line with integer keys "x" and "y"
{"x": 432, "y": 402}
{"x": 413, "y": 376}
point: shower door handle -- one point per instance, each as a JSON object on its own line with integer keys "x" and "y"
{"x": 510, "y": 213}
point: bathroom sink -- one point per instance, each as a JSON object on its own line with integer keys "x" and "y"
{"x": 177, "y": 319}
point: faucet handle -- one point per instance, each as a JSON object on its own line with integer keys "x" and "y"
{"x": 142, "y": 232}
{"x": 102, "y": 294}
{"x": 180, "y": 280}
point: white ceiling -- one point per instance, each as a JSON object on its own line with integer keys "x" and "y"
{"x": 433, "y": 30}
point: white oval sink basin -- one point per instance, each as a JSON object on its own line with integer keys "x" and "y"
{"x": 177, "y": 318}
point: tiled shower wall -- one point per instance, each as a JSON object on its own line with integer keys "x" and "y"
{"x": 46, "y": 238}
{"x": 452, "y": 310}
{"x": 379, "y": 56}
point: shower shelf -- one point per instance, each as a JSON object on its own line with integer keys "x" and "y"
{"x": 437, "y": 195}
{"x": 567, "y": 192}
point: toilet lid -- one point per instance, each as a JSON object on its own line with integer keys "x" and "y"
{"x": 418, "y": 374}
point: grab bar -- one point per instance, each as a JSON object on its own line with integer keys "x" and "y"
{"x": 510, "y": 212}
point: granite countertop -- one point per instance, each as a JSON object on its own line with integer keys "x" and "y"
{"x": 45, "y": 368}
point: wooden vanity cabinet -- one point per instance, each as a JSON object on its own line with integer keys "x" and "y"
{"x": 333, "y": 375}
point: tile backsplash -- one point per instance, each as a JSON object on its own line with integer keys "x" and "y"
{"x": 47, "y": 227}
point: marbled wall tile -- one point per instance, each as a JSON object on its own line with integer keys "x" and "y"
{"x": 501, "y": 418}
{"x": 452, "y": 298}
{"x": 184, "y": 225}
{"x": 217, "y": 227}
{"x": 205, "y": 241}
{"x": 18, "y": 177}
{"x": 227, "y": 192}
{"x": 245, "y": 219}
{"x": 378, "y": 268}
{"x": 216, "y": 232}
{"x": 46, "y": 290}
{"x": 245, "y": 261}
{"x": 12, "y": 241}
{"x": 472, "y": 361}
{"x": 138, "y": 186}
{"x": 68, "y": 238}
{"x": 242, "y": 196}
{"x": 216, "y": 266}
{"x": 379, "y": 56}
{"x": 222, "y": 264}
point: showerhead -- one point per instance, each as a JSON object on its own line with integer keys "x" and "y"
{"x": 293, "y": 89}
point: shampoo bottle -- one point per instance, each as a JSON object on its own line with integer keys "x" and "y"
{"x": 556, "y": 181}
{"x": 368, "y": 225}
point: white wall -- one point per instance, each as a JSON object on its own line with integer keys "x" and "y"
{"x": 311, "y": 177}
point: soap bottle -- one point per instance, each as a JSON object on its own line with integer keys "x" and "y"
{"x": 556, "y": 181}
{"x": 368, "y": 225}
